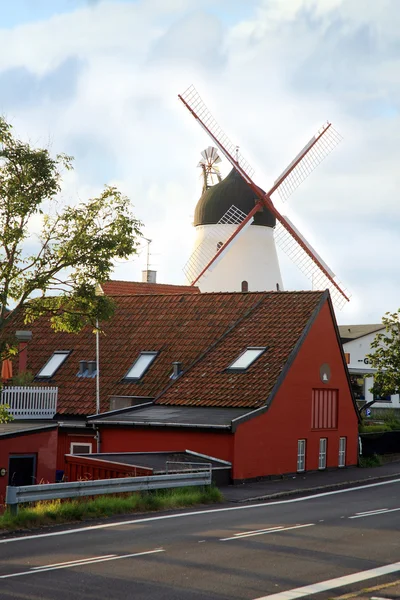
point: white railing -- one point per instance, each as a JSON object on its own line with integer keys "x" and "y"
{"x": 30, "y": 402}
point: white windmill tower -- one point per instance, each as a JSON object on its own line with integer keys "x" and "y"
{"x": 237, "y": 223}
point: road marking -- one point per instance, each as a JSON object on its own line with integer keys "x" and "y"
{"x": 367, "y": 512}
{"x": 258, "y": 530}
{"x": 70, "y": 562}
{"x": 375, "y": 514}
{"x": 194, "y": 513}
{"x": 332, "y": 584}
{"x": 36, "y": 570}
{"x": 263, "y": 532}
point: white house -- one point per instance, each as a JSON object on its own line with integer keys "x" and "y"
{"x": 356, "y": 340}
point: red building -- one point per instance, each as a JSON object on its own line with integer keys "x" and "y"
{"x": 27, "y": 454}
{"x": 271, "y": 396}
{"x": 257, "y": 379}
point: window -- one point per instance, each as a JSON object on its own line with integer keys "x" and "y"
{"x": 322, "y": 453}
{"x": 245, "y": 286}
{"x": 53, "y": 364}
{"x": 324, "y": 409}
{"x": 140, "y": 366}
{"x": 246, "y": 359}
{"x": 342, "y": 452}
{"x": 80, "y": 448}
{"x": 301, "y": 455}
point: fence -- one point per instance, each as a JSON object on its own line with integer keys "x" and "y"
{"x": 27, "y": 402}
{"x": 78, "y": 489}
{"x": 385, "y": 442}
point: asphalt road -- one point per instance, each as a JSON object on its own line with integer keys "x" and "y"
{"x": 240, "y": 552}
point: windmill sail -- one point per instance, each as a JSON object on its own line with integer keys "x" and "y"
{"x": 296, "y": 245}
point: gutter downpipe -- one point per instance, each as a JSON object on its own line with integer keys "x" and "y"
{"x": 98, "y": 440}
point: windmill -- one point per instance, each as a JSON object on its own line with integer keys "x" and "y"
{"x": 207, "y": 255}
{"x": 208, "y": 164}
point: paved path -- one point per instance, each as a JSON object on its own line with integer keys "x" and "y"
{"x": 309, "y": 481}
{"x": 290, "y": 548}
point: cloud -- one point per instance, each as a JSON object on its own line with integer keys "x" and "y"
{"x": 101, "y": 83}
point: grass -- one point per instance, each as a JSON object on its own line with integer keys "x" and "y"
{"x": 65, "y": 511}
{"x": 370, "y": 461}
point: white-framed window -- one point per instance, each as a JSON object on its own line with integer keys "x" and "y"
{"x": 141, "y": 364}
{"x": 342, "y": 452}
{"x": 246, "y": 359}
{"x": 80, "y": 448}
{"x": 55, "y": 361}
{"x": 322, "y": 453}
{"x": 301, "y": 456}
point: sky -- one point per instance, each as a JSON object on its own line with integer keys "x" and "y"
{"x": 99, "y": 79}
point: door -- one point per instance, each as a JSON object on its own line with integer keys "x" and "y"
{"x": 301, "y": 455}
{"x": 22, "y": 469}
{"x": 342, "y": 452}
{"x": 322, "y": 453}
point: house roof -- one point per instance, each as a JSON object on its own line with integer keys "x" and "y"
{"x": 179, "y": 327}
{"x": 205, "y": 332}
{"x": 353, "y": 332}
{"x": 179, "y": 416}
{"x": 277, "y": 322}
{"x": 17, "y": 428}
{"x": 127, "y": 288}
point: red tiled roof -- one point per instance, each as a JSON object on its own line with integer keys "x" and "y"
{"x": 277, "y": 323}
{"x": 180, "y": 327}
{"x": 128, "y": 288}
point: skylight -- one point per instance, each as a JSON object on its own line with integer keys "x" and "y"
{"x": 54, "y": 363}
{"x": 246, "y": 359}
{"x": 141, "y": 364}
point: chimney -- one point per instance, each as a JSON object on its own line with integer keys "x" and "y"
{"x": 177, "y": 369}
{"x": 83, "y": 365}
{"x": 24, "y": 337}
{"x": 91, "y": 367}
{"x": 149, "y": 276}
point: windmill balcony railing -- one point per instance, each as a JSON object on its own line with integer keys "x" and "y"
{"x": 28, "y": 402}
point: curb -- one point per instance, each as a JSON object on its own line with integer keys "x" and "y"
{"x": 320, "y": 488}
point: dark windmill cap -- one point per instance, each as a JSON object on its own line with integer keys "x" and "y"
{"x": 233, "y": 190}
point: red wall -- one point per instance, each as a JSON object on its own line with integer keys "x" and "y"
{"x": 80, "y": 468}
{"x": 267, "y": 444}
{"x": 121, "y": 439}
{"x": 43, "y": 444}
{"x": 65, "y": 438}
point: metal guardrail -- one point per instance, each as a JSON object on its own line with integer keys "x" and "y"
{"x": 77, "y": 489}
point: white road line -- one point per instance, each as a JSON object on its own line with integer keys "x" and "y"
{"x": 258, "y": 530}
{"x": 367, "y": 512}
{"x": 266, "y": 531}
{"x": 332, "y": 584}
{"x": 81, "y": 564}
{"x": 375, "y": 514}
{"x": 194, "y": 513}
{"x": 76, "y": 561}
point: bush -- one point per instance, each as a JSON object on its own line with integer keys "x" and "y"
{"x": 370, "y": 461}
{"x": 373, "y": 428}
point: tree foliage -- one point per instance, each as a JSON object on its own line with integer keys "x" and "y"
{"x": 56, "y": 272}
{"x": 385, "y": 357}
{"x": 5, "y": 416}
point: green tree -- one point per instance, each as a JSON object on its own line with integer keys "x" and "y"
{"x": 74, "y": 250}
{"x": 385, "y": 357}
{"x": 5, "y": 416}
